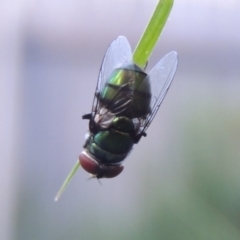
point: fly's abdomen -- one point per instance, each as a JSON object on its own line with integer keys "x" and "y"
{"x": 127, "y": 92}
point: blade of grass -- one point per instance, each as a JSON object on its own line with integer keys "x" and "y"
{"x": 152, "y": 32}
{"x": 67, "y": 180}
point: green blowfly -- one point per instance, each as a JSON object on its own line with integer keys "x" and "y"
{"x": 126, "y": 101}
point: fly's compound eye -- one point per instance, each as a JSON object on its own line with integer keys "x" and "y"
{"x": 98, "y": 170}
{"x": 113, "y": 171}
{"x": 88, "y": 163}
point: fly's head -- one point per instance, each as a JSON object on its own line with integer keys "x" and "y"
{"x": 98, "y": 170}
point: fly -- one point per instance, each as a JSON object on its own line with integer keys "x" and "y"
{"x": 126, "y": 101}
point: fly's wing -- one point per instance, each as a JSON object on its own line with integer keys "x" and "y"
{"x": 117, "y": 54}
{"x": 161, "y": 77}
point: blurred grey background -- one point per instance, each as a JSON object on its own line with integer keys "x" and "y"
{"x": 181, "y": 182}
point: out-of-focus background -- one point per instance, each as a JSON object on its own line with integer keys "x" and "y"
{"x": 181, "y": 182}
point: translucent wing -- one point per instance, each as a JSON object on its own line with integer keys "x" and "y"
{"x": 161, "y": 77}
{"x": 117, "y": 54}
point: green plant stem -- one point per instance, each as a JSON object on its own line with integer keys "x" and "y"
{"x": 67, "y": 180}
{"x": 152, "y": 32}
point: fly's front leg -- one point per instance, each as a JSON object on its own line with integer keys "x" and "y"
{"x": 87, "y": 116}
{"x": 138, "y": 137}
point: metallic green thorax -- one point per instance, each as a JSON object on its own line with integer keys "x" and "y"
{"x": 112, "y": 145}
{"x": 131, "y": 84}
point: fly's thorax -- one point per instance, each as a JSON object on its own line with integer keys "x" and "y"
{"x": 127, "y": 92}
{"x": 113, "y": 144}
{"x": 113, "y": 141}
{"x": 123, "y": 124}
{"x": 110, "y": 146}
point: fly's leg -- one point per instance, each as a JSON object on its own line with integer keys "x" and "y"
{"x": 138, "y": 137}
{"x": 87, "y": 116}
